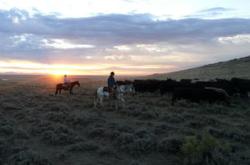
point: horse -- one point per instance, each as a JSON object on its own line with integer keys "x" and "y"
{"x": 103, "y": 92}
{"x": 127, "y": 89}
{"x": 69, "y": 87}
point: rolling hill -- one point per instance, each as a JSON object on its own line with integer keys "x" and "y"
{"x": 234, "y": 68}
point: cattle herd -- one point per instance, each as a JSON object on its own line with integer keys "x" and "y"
{"x": 218, "y": 90}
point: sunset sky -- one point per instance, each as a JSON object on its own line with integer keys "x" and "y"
{"x": 135, "y": 37}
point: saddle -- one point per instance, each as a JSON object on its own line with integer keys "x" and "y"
{"x": 66, "y": 86}
{"x": 110, "y": 91}
{"x": 106, "y": 89}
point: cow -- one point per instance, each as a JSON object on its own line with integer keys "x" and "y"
{"x": 147, "y": 85}
{"x": 242, "y": 86}
{"x": 209, "y": 94}
{"x": 218, "y": 83}
{"x": 168, "y": 86}
{"x": 125, "y": 82}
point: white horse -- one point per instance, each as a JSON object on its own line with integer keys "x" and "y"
{"x": 119, "y": 92}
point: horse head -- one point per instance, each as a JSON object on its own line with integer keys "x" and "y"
{"x": 129, "y": 88}
{"x": 77, "y": 83}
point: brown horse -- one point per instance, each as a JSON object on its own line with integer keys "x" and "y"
{"x": 69, "y": 87}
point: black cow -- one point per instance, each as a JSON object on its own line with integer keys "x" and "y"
{"x": 242, "y": 85}
{"x": 201, "y": 94}
{"x": 147, "y": 85}
{"x": 125, "y": 82}
{"x": 169, "y": 85}
{"x": 218, "y": 83}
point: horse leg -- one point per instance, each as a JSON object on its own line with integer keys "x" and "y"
{"x": 101, "y": 100}
{"x": 116, "y": 104}
{"x": 56, "y": 91}
{"x": 71, "y": 91}
{"x": 95, "y": 101}
{"x": 123, "y": 102}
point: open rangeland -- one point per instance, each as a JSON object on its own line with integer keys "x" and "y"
{"x": 39, "y": 128}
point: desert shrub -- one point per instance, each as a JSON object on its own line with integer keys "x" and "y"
{"x": 7, "y": 127}
{"x": 83, "y": 147}
{"x": 61, "y": 155}
{"x": 111, "y": 134}
{"x": 163, "y": 102}
{"x": 96, "y": 133}
{"x": 141, "y": 133}
{"x": 4, "y": 149}
{"x": 142, "y": 146}
{"x": 204, "y": 149}
{"x": 54, "y": 133}
{"x": 132, "y": 112}
{"x": 58, "y": 107}
{"x": 212, "y": 121}
{"x": 56, "y": 116}
{"x": 60, "y": 136}
{"x": 147, "y": 115}
{"x": 170, "y": 145}
{"x": 196, "y": 124}
{"x": 215, "y": 109}
{"x": 135, "y": 162}
{"x": 124, "y": 139}
{"x": 39, "y": 126}
{"x": 20, "y": 116}
{"x": 137, "y": 143}
{"x": 172, "y": 118}
{"x": 27, "y": 157}
{"x": 83, "y": 119}
{"x": 231, "y": 133}
{"x": 161, "y": 129}
{"x": 12, "y": 153}
{"x": 106, "y": 151}
{"x": 183, "y": 103}
{"x": 6, "y": 130}
{"x": 10, "y": 106}
{"x": 124, "y": 128}
{"x": 21, "y": 134}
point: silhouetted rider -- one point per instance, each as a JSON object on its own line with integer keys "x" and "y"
{"x": 66, "y": 81}
{"x": 111, "y": 82}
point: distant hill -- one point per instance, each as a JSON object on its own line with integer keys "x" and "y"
{"x": 234, "y": 68}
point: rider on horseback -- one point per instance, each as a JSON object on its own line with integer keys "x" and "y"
{"x": 111, "y": 83}
{"x": 66, "y": 81}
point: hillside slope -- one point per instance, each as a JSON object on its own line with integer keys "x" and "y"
{"x": 233, "y": 68}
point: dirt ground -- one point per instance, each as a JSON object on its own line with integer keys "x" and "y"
{"x": 39, "y": 128}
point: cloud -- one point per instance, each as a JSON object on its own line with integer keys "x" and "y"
{"x": 213, "y": 13}
{"x": 124, "y": 29}
{"x": 120, "y": 38}
{"x": 237, "y": 39}
{"x": 122, "y": 48}
{"x": 216, "y": 11}
{"x": 62, "y": 44}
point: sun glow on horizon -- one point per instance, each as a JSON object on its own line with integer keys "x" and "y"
{"x": 58, "y": 70}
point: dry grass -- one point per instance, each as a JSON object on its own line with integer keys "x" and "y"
{"x": 39, "y": 128}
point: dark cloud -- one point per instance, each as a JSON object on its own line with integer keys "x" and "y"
{"x": 22, "y": 35}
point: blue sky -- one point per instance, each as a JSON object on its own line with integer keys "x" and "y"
{"x": 127, "y": 36}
